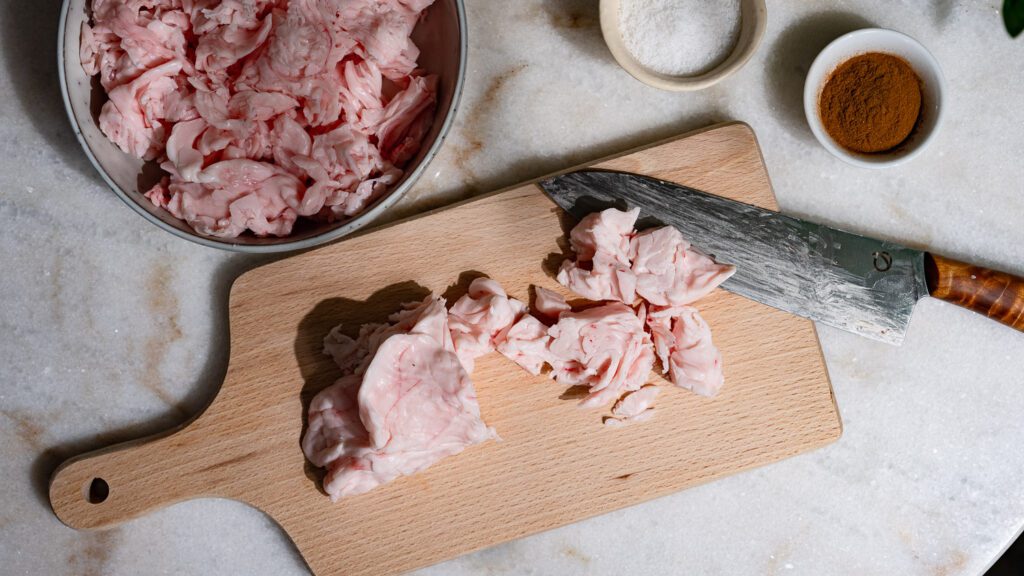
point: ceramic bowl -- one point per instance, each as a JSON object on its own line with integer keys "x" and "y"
{"x": 753, "y": 21}
{"x": 441, "y": 36}
{"x": 933, "y": 87}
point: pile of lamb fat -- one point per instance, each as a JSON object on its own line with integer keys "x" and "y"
{"x": 405, "y": 399}
{"x": 262, "y": 112}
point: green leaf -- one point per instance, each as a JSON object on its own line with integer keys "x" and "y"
{"x": 1013, "y": 16}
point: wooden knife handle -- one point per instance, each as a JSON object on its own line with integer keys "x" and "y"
{"x": 998, "y": 295}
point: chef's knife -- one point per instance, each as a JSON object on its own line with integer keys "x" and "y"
{"x": 845, "y": 280}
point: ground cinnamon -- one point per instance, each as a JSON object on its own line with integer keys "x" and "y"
{"x": 871, "y": 103}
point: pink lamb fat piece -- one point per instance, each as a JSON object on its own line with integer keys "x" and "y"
{"x": 211, "y": 103}
{"x": 405, "y": 118}
{"x": 345, "y": 156}
{"x": 616, "y": 263}
{"x": 252, "y": 105}
{"x": 231, "y": 139}
{"x": 352, "y": 355}
{"x": 486, "y": 319}
{"x": 601, "y": 270}
{"x": 102, "y": 55}
{"x": 291, "y": 140}
{"x": 527, "y": 343}
{"x": 417, "y": 406}
{"x": 225, "y": 45}
{"x": 128, "y": 38}
{"x": 604, "y": 348}
{"x": 549, "y": 303}
{"x": 132, "y": 117}
{"x": 633, "y": 407}
{"x": 362, "y": 95}
{"x": 603, "y": 237}
{"x": 382, "y": 31}
{"x": 613, "y": 422}
{"x": 636, "y": 403}
{"x": 232, "y": 196}
{"x": 334, "y": 424}
{"x": 348, "y": 171}
{"x": 480, "y": 320}
{"x": 184, "y": 159}
{"x": 683, "y": 343}
{"x": 404, "y": 403}
{"x": 309, "y": 39}
{"x": 140, "y": 38}
{"x": 611, "y": 284}
{"x": 207, "y": 15}
{"x": 296, "y": 83}
{"x": 414, "y": 397}
{"x": 670, "y": 273}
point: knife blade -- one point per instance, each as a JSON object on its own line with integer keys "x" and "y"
{"x": 845, "y": 280}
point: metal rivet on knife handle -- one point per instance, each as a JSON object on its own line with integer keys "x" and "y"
{"x": 883, "y": 261}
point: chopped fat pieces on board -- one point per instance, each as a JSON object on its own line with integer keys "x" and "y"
{"x": 614, "y": 262}
{"x": 405, "y": 400}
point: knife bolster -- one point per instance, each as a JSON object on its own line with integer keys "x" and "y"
{"x": 998, "y": 295}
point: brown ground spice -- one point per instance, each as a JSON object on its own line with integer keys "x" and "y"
{"x": 871, "y": 103}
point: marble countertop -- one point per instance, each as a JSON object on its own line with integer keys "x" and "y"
{"x": 113, "y": 329}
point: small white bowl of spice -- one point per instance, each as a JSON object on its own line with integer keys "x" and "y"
{"x": 682, "y": 45}
{"x": 874, "y": 97}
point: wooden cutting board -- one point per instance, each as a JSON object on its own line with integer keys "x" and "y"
{"x": 556, "y": 463}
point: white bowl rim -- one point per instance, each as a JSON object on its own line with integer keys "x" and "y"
{"x": 345, "y": 229}
{"x": 816, "y": 74}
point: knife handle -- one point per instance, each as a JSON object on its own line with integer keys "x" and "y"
{"x": 998, "y": 295}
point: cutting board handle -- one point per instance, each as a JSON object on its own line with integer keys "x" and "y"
{"x": 998, "y": 295}
{"x": 124, "y": 481}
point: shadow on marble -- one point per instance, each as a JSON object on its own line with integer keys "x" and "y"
{"x": 943, "y": 12}
{"x": 792, "y": 55}
{"x": 579, "y": 23}
{"x": 29, "y": 39}
{"x": 207, "y": 385}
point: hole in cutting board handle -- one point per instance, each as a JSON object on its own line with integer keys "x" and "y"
{"x": 97, "y": 491}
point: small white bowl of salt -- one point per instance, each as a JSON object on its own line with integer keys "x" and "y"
{"x": 682, "y": 44}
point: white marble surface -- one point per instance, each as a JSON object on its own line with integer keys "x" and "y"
{"x": 112, "y": 328}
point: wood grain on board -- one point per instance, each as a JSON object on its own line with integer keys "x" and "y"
{"x": 556, "y": 463}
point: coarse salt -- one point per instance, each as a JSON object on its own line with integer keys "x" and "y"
{"x": 680, "y": 37}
